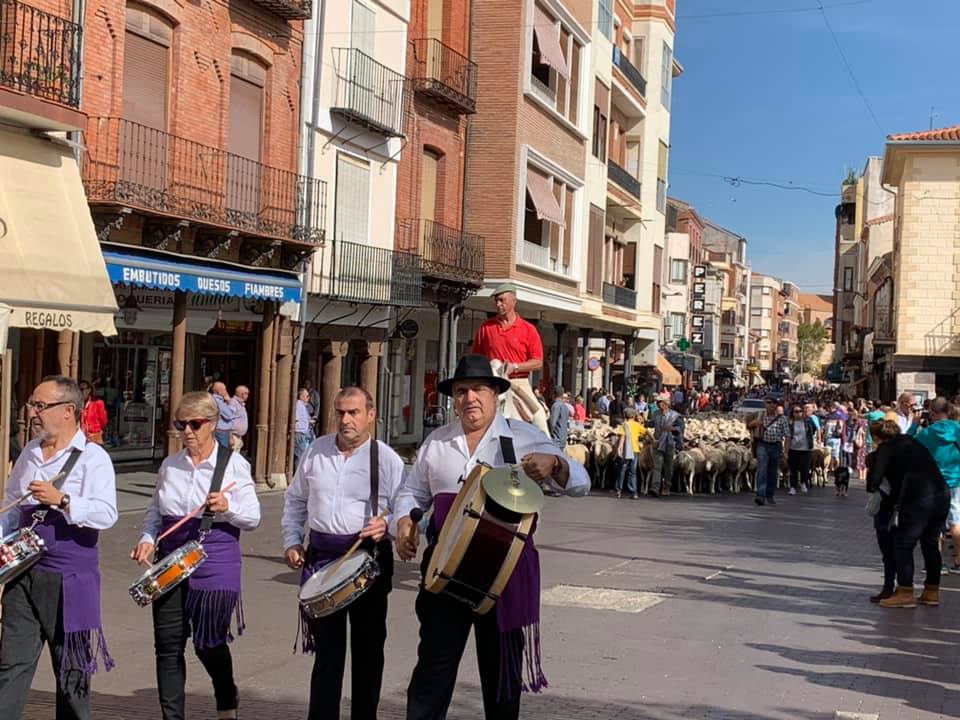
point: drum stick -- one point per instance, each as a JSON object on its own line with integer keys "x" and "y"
{"x": 351, "y": 551}
{"x": 55, "y": 479}
{"x": 193, "y": 514}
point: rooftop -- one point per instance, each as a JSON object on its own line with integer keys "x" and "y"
{"x": 948, "y": 133}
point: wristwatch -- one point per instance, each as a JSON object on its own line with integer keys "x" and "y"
{"x": 64, "y": 502}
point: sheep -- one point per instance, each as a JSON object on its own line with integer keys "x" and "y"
{"x": 819, "y": 465}
{"x": 716, "y": 464}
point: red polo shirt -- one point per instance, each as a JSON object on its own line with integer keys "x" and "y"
{"x": 516, "y": 343}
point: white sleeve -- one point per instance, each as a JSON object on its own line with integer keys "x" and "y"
{"x": 414, "y": 491}
{"x": 152, "y": 520}
{"x": 530, "y": 439}
{"x": 243, "y": 504}
{"x": 96, "y": 505}
{"x": 10, "y": 520}
{"x": 391, "y": 482}
{"x": 295, "y": 499}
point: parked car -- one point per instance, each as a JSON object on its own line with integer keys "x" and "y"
{"x": 750, "y": 406}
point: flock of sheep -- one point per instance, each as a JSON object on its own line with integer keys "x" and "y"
{"x": 717, "y": 456}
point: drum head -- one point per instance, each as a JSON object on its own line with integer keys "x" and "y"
{"x": 457, "y": 525}
{"x": 324, "y": 580}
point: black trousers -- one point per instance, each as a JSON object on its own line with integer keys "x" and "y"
{"x": 445, "y": 625}
{"x": 368, "y": 634}
{"x": 924, "y": 523}
{"x": 881, "y": 523}
{"x": 799, "y": 463}
{"x": 171, "y": 628}
{"x": 31, "y": 617}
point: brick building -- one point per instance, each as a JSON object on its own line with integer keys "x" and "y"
{"x": 726, "y": 253}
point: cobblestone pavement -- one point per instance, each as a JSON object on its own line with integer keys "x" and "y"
{"x": 765, "y": 616}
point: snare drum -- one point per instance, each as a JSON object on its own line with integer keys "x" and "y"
{"x": 332, "y": 588}
{"x": 18, "y": 552}
{"x": 166, "y": 574}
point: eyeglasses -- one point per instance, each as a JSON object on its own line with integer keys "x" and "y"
{"x": 40, "y": 406}
{"x": 195, "y": 425}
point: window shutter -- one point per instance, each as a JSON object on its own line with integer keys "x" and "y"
{"x": 353, "y": 200}
{"x": 630, "y": 261}
{"x": 595, "y": 255}
{"x": 246, "y": 118}
{"x": 145, "y": 80}
{"x": 568, "y": 228}
{"x": 555, "y": 228}
{"x": 662, "y": 161}
{"x": 429, "y": 171}
{"x": 363, "y": 25}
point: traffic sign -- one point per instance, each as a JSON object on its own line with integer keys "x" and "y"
{"x": 683, "y": 344}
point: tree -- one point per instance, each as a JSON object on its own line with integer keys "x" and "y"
{"x": 811, "y": 338}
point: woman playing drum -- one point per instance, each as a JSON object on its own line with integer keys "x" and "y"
{"x": 204, "y": 604}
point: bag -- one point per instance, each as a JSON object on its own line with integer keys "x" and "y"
{"x": 860, "y": 438}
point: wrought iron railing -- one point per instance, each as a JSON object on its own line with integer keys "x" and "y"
{"x": 624, "y": 179}
{"x": 620, "y": 296}
{"x": 443, "y": 73}
{"x": 288, "y": 9}
{"x": 130, "y": 164}
{"x": 444, "y": 251}
{"x": 367, "y": 274}
{"x": 629, "y": 70}
{"x": 883, "y": 329}
{"x": 368, "y": 93}
{"x": 39, "y": 53}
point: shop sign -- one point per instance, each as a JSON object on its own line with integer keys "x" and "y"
{"x": 163, "y": 300}
{"x": 197, "y": 282}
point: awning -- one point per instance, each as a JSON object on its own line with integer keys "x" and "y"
{"x": 167, "y": 272}
{"x": 550, "y": 52}
{"x": 52, "y": 273}
{"x": 668, "y": 373}
{"x": 541, "y": 192}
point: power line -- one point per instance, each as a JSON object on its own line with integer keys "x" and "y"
{"x": 853, "y": 77}
{"x": 771, "y": 11}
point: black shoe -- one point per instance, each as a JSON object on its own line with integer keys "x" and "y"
{"x": 882, "y": 595}
{"x": 653, "y": 493}
{"x": 758, "y": 500}
{"x": 771, "y": 501}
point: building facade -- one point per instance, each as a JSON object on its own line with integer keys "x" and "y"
{"x": 726, "y": 253}
{"x": 819, "y": 309}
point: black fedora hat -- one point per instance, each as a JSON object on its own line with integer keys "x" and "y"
{"x": 474, "y": 367}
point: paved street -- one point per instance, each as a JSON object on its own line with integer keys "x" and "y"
{"x": 763, "y": 615}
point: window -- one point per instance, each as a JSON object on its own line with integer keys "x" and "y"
{"x": 429, "y": 174}
{"x": 601, "y": 102}
{"x": 764, "y": 354}
{"x": 555, "y": 65}
{"x": 755, "y": 311}
{"x": 657, "y": 279}
{"x": 247, "y": 80}
{"x": 662, "y": 153}
{"x": 548, "y": 222}
{"x": 765, "y": 290}
{"x": 352, "y": 212}
{"x": 726, "y": 350}
{"x": 678, "y": 325}
{"x": 848, "y": 279}
{"x": 678, "y": 271}
{"x": 362, "y": 28}
{"x": 605, "y": 18}
{"x": 666, "y": 76}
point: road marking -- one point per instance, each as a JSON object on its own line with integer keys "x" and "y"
{"x": 718, "y": 573}
{"x": 627, "y": 601}
{"x": 841, "y": 715}
{"x": 610, "y": 569}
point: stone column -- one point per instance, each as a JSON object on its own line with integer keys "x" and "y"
{"x": 38, "y": 352}
{"x": 263, "y": 392}
{"x": 627, "y": 363}
{"x": 177, "y": 361}
{"x": 370, "y": 369}
{"x": 585, "y": 370}
{"x": 442, "y": 341}
{"x": 561, "y": 329}
{"x": 283, "y": 395}
{"x": 65, "y": 352}
{"x": 607, "y": 344}
{"x": 333, "y": 354}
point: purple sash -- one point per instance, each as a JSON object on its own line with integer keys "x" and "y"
{"x": 213, "y": 591}
{"x": 323, "y": 548}
{"x": 72, "y": 552}
{"x": 518, "y": 612}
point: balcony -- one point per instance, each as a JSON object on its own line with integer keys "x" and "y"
{"x": 288, "y": 9}
{"x": 630, "y": 71}
{"x": 40, "y": 59}
{"x": 368, "y": 94}
{"x": 883, "y": 328}
{"x": 366, "y": 274}
{"x": 443, "y": 74}
{"x": 131, "y": 165}
{"x": 623, "y": 179}
{"x": 445, "y": 252}
{"x": 619, "y": 296}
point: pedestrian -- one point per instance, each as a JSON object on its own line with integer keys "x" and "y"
{"x": 313, "y": 403}
{"x": 240, "y": 421}
{"x": 205, "y": 606}
{"x": 603, "y": 403}
{"x": 848, "y": 447}
{"x": 801, "y": 437}
{"x": 303, "y": 427}
{"x": 93, "y": 416}
{"x": 641, "y": 406}
{"x": 615, "y": 407}
{"x": 57, "y": 600}
{"x": 920, "y": 505}
{"x": 858, "y": 436}
{"x": 579, "y": 410}
{"x": 774, "y": 429}
{"x": 559, "y": 420}
{"x": 226, "y": 413}
{"x": 629, "y": 452}
{"x": 344, "y": 490}
{"x": 678, "y": 399}
{"x": 942, "y": 439}
{"x": 880, "y": 505}
{"x": 833, "y": 433}
{"x": 907, "y": 417}
{"x": 664, "y": 426}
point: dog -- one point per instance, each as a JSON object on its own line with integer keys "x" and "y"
{"x": 841, "y": 478}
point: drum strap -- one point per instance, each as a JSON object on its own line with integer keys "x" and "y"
{"x": 60, "y": 478}
{"x": 374, "y": 477}
{"x": 219, "y": 470}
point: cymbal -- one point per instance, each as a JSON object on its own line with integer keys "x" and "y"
{"x": 512, "y": 489}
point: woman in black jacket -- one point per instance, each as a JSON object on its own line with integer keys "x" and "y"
{"x": 917, "y": 504}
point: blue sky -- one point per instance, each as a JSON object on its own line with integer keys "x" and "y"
{"x": 766, "y": 96}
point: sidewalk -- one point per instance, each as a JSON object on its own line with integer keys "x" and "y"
{"x": 760, "y": 613}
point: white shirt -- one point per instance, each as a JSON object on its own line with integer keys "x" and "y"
{"x": 444, "y": 459}
{"x": 91, "y": 485}
{"x": 331, "y": 492}
{"x": 303, "y": 418}
{"x": 183, "y": 487}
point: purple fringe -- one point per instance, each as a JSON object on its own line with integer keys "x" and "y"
{"x": 520, "y": 663}
{"x": 81, "y": 651}
{"x": 210, "y": 614}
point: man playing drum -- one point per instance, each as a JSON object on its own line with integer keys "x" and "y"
{"x": 516, "y": 345}
{"x": 340, "y": 476}
{"x": 511, "y": 628}
{"x": 58, "y": 599}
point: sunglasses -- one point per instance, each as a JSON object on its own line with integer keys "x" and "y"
{"x": 195, "y": 425}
